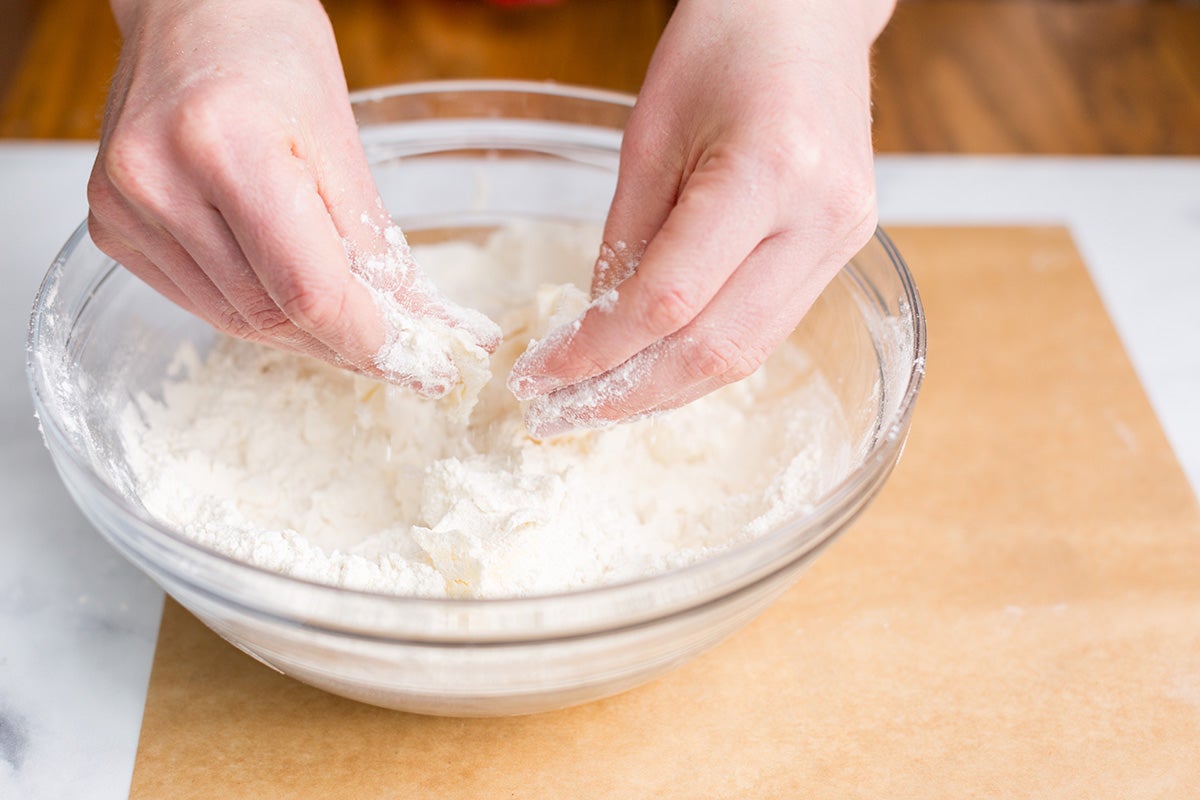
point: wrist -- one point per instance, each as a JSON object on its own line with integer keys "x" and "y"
{"x": 129, "y": 14}
{"x": 848, "y": 23}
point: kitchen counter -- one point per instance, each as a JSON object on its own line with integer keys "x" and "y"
{"x": 78, "y": 625}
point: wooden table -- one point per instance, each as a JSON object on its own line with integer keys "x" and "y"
{"x": 957, "y": 76}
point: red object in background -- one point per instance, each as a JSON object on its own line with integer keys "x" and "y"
{"x": 524, "y": 2}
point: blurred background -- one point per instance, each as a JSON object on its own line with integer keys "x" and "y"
{"x": 1094, "y": 77}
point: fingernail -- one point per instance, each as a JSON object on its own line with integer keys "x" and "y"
{"x": 527, "y": 387}
{"x": 549, "y": 431}
{"x": 544, "y": 416}
{"x": 529, "y": 376}
{"x": 544, "y": 428}
{"x": 542, "y": 358}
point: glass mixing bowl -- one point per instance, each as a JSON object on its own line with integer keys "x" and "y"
{"x": 456, "y": 159}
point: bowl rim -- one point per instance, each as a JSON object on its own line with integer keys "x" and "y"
{"x": 496, "y": 86}
{"x": 834, "y": 504}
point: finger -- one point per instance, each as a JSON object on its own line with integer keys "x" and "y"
{"x": 647, "y": 189}
{"x": 377, "y": 248}
{"x": 425, "y": 329}
{"x": 282, "y": 225}
{"x": 207, "y": 239}
{"x": 404, "y": 288}
{"x": 758, "y": 308}
{"x": 712, "y": 230}
{"x": 111, "y": 243}
{"x": 170, "y": 259}
{"x": 156, "y": 257}
{"x": 616, "y": 264}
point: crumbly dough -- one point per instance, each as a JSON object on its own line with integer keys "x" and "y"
{"x": 298, "y": 467}
{"x": 435, "y": 341}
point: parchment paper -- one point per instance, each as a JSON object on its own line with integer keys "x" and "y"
{"x": 1018, "y": 615}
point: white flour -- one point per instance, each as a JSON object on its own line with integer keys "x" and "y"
{"x": 295, "y": 466}
{"x": 427, "y": 337}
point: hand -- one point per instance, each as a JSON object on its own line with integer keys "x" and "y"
{"x": 232, "y": 180}
{"x": 746, "y": 182}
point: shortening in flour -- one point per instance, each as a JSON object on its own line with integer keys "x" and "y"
{"x": 295, "y": 466}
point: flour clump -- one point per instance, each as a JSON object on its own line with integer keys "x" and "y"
{"x": 295, "y": 466}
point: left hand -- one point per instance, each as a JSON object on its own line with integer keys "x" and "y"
{"x": 746, "y": 182}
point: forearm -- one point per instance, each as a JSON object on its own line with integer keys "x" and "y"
{"x": 863, "y": 20}
{"x": 876, "y": 14}
{"x": 128, "y": 13}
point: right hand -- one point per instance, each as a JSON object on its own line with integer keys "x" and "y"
{"x": 746, "y": 182}
{"x": 230, "y": 173}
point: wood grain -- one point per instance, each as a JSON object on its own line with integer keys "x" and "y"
{"x": 605, "y": 44}
{"x": 1039, "y": 77}
{"x": 17, "y": 18}
{"x": 955, "y": 76}
{"x": 57, "y": 90}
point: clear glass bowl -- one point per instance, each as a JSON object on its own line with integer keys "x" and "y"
{"x": 456, "y": 159}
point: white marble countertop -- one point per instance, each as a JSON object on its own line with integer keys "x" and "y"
{"x": 77, "y": 624}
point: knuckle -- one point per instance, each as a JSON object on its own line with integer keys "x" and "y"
{"x": 127, "y": 170}
{"x": 231, "y": 321}
{"x": 643, "y": 142}
{"x": 853, "y": 208}
{"x": 201, "y": 124}
{"x": 584, "y": 361}
{"x": 719, "y": 357}
{"x": 267, "y": 318}
{"x": 100, "y": 194}
{"x": 102, "y": 235}
{"x": 313, "y": 306}
{"x": 668, "y": 308}
{"x": 796, "y": 154}
{"x": 804, "y": 167}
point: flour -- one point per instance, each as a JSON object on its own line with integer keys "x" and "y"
{"x": 432, "y": 344}
{"x": 295, "y": 466}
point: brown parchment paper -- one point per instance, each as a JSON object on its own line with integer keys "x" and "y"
{"x": 1018, "y": 615}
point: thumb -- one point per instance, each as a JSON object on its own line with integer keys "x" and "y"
{"x": 648, "y": 184}
{"x": 416, "y": 313}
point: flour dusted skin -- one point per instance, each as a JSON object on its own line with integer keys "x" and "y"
{"x": 290, "y": 464}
